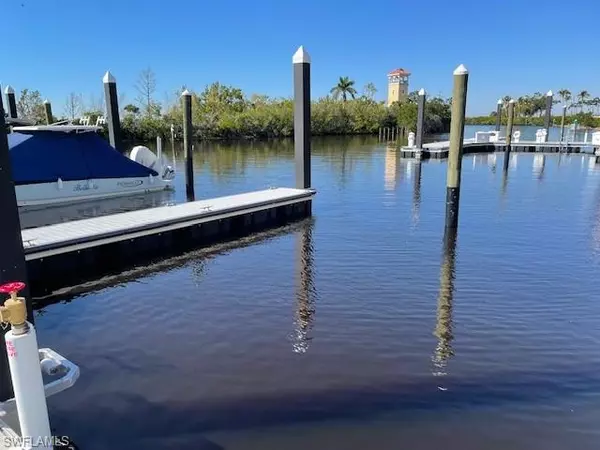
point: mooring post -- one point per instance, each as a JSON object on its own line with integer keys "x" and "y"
{"x": 457, "y": 129}
{"x": 562, "y": 123}
{"x": 12, "y": 102}
{"x": 509, "y": 128}
{"x": 186, "y": 98}
{"x": 548, "y": 117}
{"x": 302, "y": 134}
{"x": 499, "y": 114}
{"x": 12, "y": 257}
{"x": 48, "y": 112}
{"x": 111, "y": 99}
{"x": 420, "y": 118}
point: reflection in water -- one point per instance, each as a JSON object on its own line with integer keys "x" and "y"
{"x": 539, "y": 161}
{"x": 416, "y": 199}
{"x": 514, "y": 159}
{"x": 305, "y": 288}
{"x": 491, "y": 161}
{"x": 443, "y": 328}
{"x": 390, "y": 174}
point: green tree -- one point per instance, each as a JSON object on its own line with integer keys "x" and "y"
{"x": 582, "y": 98}
{"x": 343, "y": 89}
{"x": 131, "y": 109}
{"x": 30, "y": 106}
{"x": 565, "y": 95}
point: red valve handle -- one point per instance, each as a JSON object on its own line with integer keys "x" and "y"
{"x": 12, "y": 287}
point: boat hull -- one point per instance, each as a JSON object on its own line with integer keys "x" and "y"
{"x": 42, "y": 194}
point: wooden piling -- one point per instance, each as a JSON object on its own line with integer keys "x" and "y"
{"x": 12, "y": 256}
{"x": 457, "y": 128}
{"x": 48, "y": 112}
{"x": 302, "y": 131}
{"x": 420, "y": 118}
{"x": 11, "y": 101}
{"x": 548, "y": 116}
{"x": 113, "y": 121}
{"x": 188, "y": 149}
{"x": 498, "y": 114}
{"x": 509, "y": 128}
{"x": 562, "y": 123}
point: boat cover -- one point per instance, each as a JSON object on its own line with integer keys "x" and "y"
{"x": 46, "y": 156}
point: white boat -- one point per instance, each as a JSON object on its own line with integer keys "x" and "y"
{"x": 54, "y": 164}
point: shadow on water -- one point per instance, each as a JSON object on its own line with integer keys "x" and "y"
{"x": 158, "y": 422}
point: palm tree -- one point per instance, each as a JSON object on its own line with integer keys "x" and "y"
{"x": 583, "y": 96}
{"x": 565, "y": 95}
{"x": 343, "y": 88}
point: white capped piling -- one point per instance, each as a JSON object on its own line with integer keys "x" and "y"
{"x": 48, "y": 112}
{"x": 186, "y": 99}
{"x": 11, "y": 101}
{"x": 12, "y": 257}
{"x": 548, "y": 116}
{"x": 113, "y": 121}
{"x": 457, "y": 129}
{"x": 302, "y": 132}
{"x": 509, "y": 130}
{"x": 562, "y": 123}
{"x": 498, "y": 114}
{"x": 420, "y": 118}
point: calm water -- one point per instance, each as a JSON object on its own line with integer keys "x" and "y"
{"x": 359, "y": 328}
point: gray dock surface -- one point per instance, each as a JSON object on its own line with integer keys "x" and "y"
{"x": 58, "y": 255}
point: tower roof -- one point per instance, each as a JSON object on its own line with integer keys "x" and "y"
{"x": 400, "y": 72}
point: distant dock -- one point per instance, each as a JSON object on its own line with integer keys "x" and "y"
{"x": 69, "y": 253}
{"x": 439, "y": 150}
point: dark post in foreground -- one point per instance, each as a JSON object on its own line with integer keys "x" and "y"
{"x": 420, "y": 118}
{"x": 186, "y": 99}
{"x": 301, "y": 63}
{"x": 509, "y": 128}
{"x": 548, "y": 117}
{"x": 457, "y": 128}
{"x": 48, "y": 112}
{"x": 498, "y": 114}
{"x": 562, "y": 123}
{"x": 112, "y": 111}
{"x": 12, "y": 102}
{"x": 12, "y": 257}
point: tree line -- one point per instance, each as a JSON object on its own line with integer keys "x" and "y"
{"x": 226, "y": 112}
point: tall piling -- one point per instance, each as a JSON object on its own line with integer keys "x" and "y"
{"x": 420, "y": 118}
{"x": 509, "y": 128}
{"x": 113, "y": 121}
{"x": 498, "y": 114}
{"x": 48, "y": 112}
{"x": 186, "y": 99}
{"x": 562, "y": 123}
{"x": 457, "y": 129}
{"x": 11, "y": 100}
{"x": 548, "y": 116}
{"x": 302, "y": 132}
{"x": 12, "y": 256}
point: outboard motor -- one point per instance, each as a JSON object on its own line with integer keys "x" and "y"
{"x": 144, "y": 156}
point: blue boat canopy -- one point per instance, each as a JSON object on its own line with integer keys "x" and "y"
{"x": 46, "y": 156}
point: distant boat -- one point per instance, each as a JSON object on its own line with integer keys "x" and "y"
{"x": 54, "y": 164}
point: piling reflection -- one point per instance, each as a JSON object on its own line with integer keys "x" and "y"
{"x": 539, "y": 162}
{"x": 443, "y": 328}
{"x": 390, "y": 174}
{"x": 305, "y": 289}
{"x": 416, "y": 198}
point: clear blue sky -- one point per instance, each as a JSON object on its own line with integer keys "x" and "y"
{"x": 511, "y": 47}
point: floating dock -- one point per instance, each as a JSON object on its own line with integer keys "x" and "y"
{"x": 70, "y": 253}
{"x": 439, "y": 150}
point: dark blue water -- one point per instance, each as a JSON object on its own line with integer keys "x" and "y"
{"x": 360, "y": 328}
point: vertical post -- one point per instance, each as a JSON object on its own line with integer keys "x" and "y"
{"x": 420, "y": 118}
{"x": 186, "y": 98}
{"x": 509, "y": 128}
{"x": 457, "y": 129}
{"x": 380, "y": 131}
{"x": 111, "y": 99}
{"x": 548, "y": 117}
{"x": 302, "y": 133}
{"x": 393, "y": 134}
{"x": 12, "y": 257}
{"x": 562, "y": 123}
{"x": 173, "y": 142}
{"x": 12, "y": 102}
{"x": 48, "y": 112}
{"x": 498, "y": 114}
